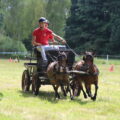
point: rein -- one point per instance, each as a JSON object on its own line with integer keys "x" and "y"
{"x": 72, "y": 50}
{"x": 52, "y": 57}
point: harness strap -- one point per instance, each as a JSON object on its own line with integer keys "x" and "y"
{"x": 58, "y": 69}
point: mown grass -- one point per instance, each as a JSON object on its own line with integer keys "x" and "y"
{"x": 16, "y": 105}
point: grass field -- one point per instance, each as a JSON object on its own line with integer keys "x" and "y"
{"x": 16, "y": 105}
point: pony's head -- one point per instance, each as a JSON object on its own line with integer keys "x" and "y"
{"x": 62, "y": 57}
{"x": 62, "y": 62}
{"x": 88, "y": 58}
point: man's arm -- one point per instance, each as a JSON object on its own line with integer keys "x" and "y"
{"x": 52, "y": 40}
{"x": 59, "y": 38}
{"x": 34, "y": 43}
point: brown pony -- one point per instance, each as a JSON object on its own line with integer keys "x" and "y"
{"x": 87, "y": 65}
{"x": 57, "y": 73}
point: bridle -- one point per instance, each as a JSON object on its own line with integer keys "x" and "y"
{"x": 61, "y": 66}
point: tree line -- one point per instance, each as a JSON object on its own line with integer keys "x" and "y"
{"x": 94, "y": 25}
{"x": 87, "y": 25}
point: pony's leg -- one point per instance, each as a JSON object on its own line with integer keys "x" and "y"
{"x": 63, "y": 90}
{"x": 72, "y": 86}
{"x": 68, "y": 87}
{"x": 57, "y": 86}
{"x": 96, "y": 89}
{"x": 84, "y": 93}
{"x": 56, "y": 91}
{"x": 88, "y": 90}
{"x": 90, "y": 93}
{"x": 77, "y": 90}
{"x": 37, "y": 88}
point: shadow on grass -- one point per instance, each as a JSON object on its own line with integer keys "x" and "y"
{"x": 81, "y": 101}
{"x": 43, "y": 95}
{"x": 50, "y": 96}
{"x": 1, "y": 96}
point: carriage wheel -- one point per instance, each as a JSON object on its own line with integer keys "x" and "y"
{"x": 35, "y": 84}
{"x": 25, "y": 81}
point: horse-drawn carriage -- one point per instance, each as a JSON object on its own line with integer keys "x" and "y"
{"x": 33, "y": 73}
{"x": 59, "y": 71}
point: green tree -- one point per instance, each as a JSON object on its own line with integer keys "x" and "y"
{"x": 32, "y": 11}
{"x": 56, "y": 13}
{"x": 114, "y": 42}
{"x": 1, "y": 16}
{"x": 91, "y": 25}
{"x": 21, "y": 18}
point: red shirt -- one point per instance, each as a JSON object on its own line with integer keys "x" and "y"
{"x": 42, "y": 36}
{"x": 51, "y": 37}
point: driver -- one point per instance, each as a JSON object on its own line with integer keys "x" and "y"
{"x": 41, "y": 36}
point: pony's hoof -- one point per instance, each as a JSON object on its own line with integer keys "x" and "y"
{"x": 35, "y": 93}
{"x": 85, "y": 96}
{"x": 93, "y": 98}
{"x": 78, "y": 94}
{"x": 57, "y": 98}
{"x": 72, "y": 98}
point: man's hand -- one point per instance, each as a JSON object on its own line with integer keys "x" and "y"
{"x": 55, "y": 42}
{"x": 38, "y": 44}
{"x": 34, "y": 43}
{"x": 63, "y": 42}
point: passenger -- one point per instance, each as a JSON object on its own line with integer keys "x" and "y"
{"x": 51, "y": 37}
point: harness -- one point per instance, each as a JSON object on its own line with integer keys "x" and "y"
{"x": 90, "y": 69}
{"x": 60, "y": 69}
